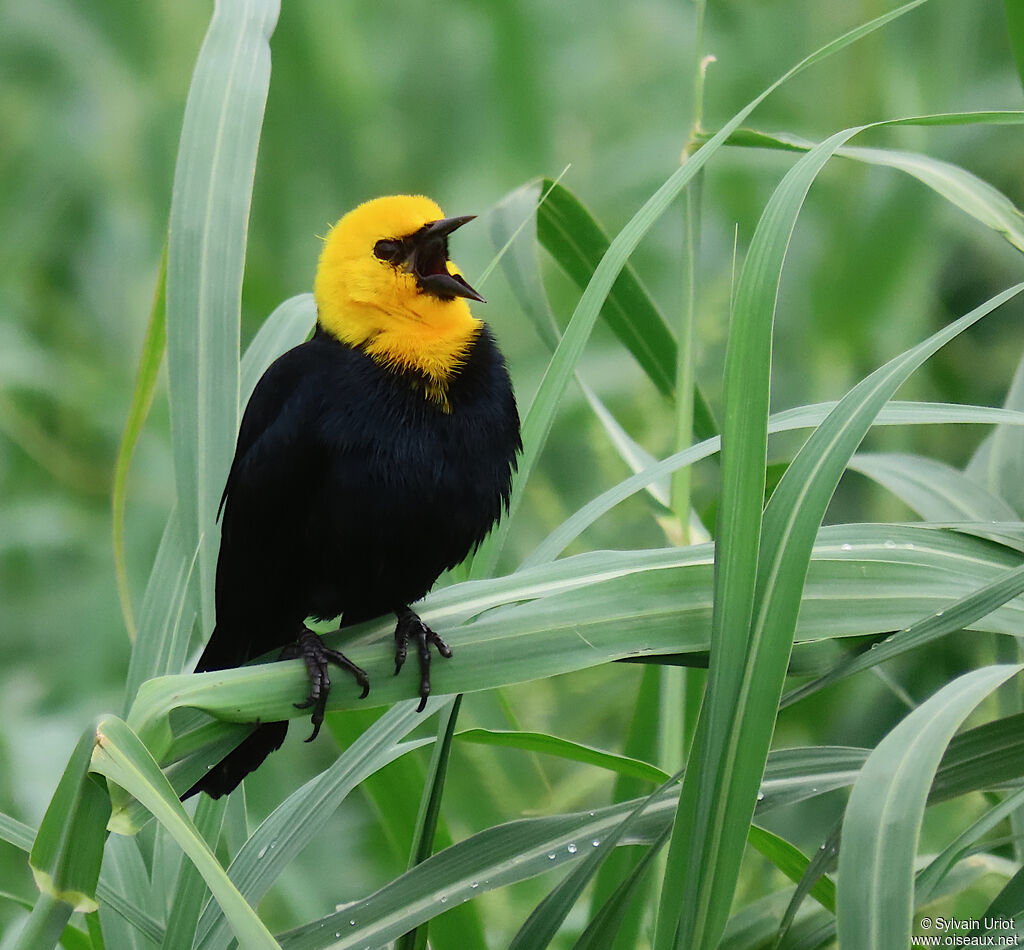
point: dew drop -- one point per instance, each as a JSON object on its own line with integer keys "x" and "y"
{"x": 760, "y": 796}
{"x": 551, "y": 855}
{"x": 337, "y": 933}
{"x": 351, "y": 923}
{"x": 572, "y": 849}
{"x": 261, "y": 852}
{"x": 889, "y": 544}
{"x": 596, "y": 842}
{"x": 939, "y": 613}
{"x": 822, "y": 848}
{"x": 591, "y": 814}
{"x": 444, "y": 899}
{"x": 847, "y": 547}
{"x": 475, "y": 885}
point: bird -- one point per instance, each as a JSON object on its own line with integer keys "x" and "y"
{"x": 370, "y": 458}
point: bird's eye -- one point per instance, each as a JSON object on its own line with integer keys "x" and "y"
{"x": 386, "y": 250}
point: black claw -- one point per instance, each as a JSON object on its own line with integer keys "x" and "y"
{"x": 316, "y": 656}
{"x": 410, "y": 627}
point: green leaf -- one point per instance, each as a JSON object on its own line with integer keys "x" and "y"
{"x": 593, "y": 608}
{"x": 607, "y": 924}
{"x": 153, "y": 347}
{"x": 883, "y": 817}
{"x": 122, "y": 758}
{"x": 934, "y": 490}
{"x": 525, "y": 848}
{"x": 68, "y": 847}
{"x": 540, "y": 417}
{"x": 205, "y": 259}
{"x": 21, "y": 836}
{"x": 287, "y": 326}
{"x": 702, "y": 869}
{"x": 543, "y": 923}
{"x": 792, "y": 862}
{"x": 928, "y": 880}
{"x": 977, "y": 198}
{"x": 430, "y": 810}
{"x": 958, "y": 615}
{"x": 297, "y": 820}
{"x": 563, "y": 748}
{"x": 757, "y": 592}
{"x": 190, "y": 890}
{"x": 803, "y": 417}
{"x": 571, "y": 235}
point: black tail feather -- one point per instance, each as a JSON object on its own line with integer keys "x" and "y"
{"x": 225, "y": 776}
{"x": 225, "y": 651}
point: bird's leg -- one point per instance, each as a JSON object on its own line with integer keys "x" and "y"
{"x": 312, "y": 649}
{"x": 410, "y": 627}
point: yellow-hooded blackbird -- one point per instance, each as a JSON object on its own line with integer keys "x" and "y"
{"x": 370, "y": 459}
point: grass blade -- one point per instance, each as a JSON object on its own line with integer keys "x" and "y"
{"x": 294, "y": 823}
{"x": 541, "y": 926}
{"x": 803, "y": 417}
{"x": 190, "y": 890}
{"x": 205, "y": 259}
{"x": 563, "y": 748}
{"x": 883, "y": 817}
{"x": 153, "y": 347}
{"x": 430, "y": 810}
{"x": 571, "y": 235}
{"x": 936, "y": 491}
{"x": 540, "y": 416}
{"x": 68, "y": 847}
{"x": 122, "y": 758}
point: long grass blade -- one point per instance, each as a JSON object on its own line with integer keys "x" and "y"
{"x": 206, "y": 254}
{"x": 122, "y": 758}
{"x": 153, "y": 347}
{"x": 540, "y": 416}
{"x": 876, "y": 863}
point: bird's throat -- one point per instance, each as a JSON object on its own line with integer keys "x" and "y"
{"x": 428, "y": 346}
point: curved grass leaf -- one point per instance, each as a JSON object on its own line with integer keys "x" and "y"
{"x": 68, "y": 848}
{"x": 791, "y": 861}
{"x": 540, "y": 417}
{"x": 571, "y": 235}
{"x": 883, "y": 818}
{"x": 606, "y": 606}
{"x": 966, "y": 191}
{"x": 541, "y": 926}
{"x": 757, "y": 593}
{"x": 122, "y": 758}
{"x": 934, "y": 490}
{"x": 528, "y": 847}
{"x": 956, "y": 616}
{"x": 929, "y": 879}
{"x": 205, "y": 260}
{"x": 153, "y": 347}
{"x": 297, "y": 820}
{"x": 563, "y": 748}
{"x": 288, "y": 325}
{"x": 606, "y": 924}
{"x": 803, "y": 417}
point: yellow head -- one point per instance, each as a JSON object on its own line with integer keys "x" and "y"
{"x": 384, "y": 283}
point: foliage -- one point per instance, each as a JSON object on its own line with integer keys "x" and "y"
{"x": 779, "y": 615}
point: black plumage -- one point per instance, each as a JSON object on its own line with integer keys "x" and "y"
{"x": 351, "y": 490}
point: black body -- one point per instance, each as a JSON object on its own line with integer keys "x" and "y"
{"x": 350, "y": 492}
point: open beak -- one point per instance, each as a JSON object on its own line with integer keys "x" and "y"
{"x": 428, "y": 260}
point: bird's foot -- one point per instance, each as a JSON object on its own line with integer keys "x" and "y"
{"x": 311, "y": 648}
{"x": 410, "y": 627}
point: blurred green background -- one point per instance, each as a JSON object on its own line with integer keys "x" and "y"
{"x": 463, "y": 101}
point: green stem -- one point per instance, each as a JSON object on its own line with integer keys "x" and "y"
{"x": 45, "y": 924}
